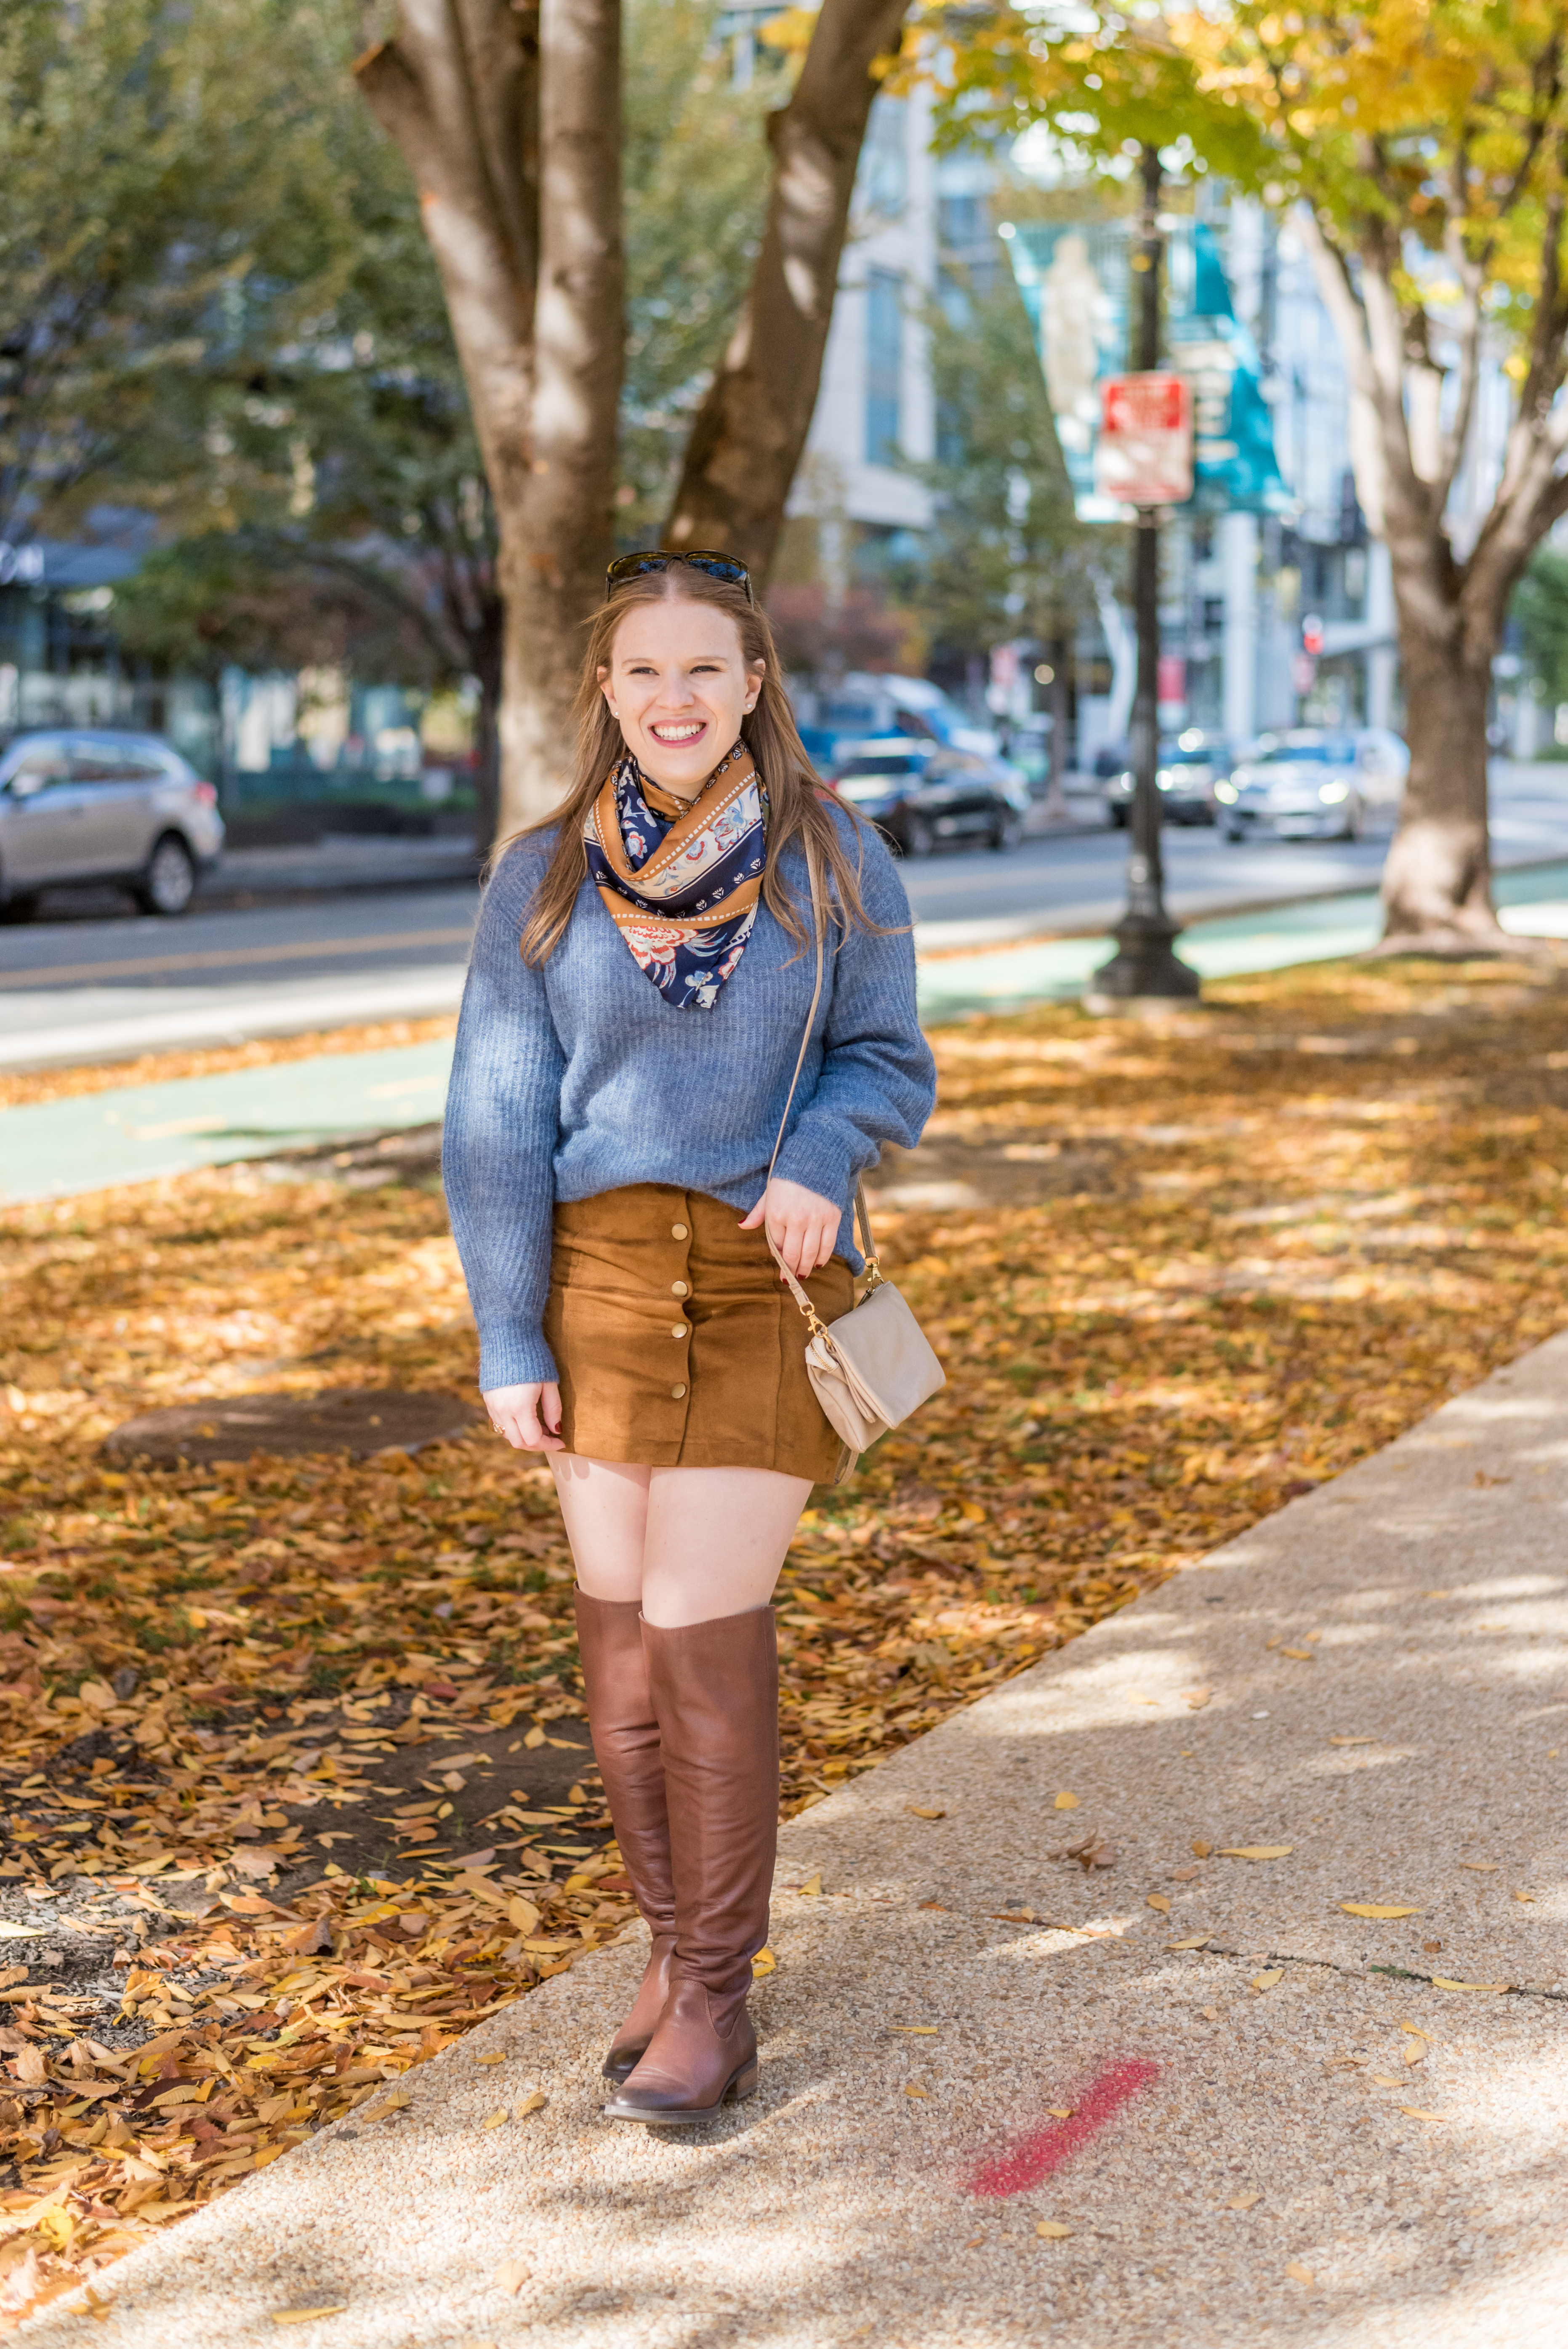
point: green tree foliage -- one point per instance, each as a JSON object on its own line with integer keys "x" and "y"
{"x": 1541, "y": 607}
{"x": 157, "y": 165}
{"x": 1007, "y": 557}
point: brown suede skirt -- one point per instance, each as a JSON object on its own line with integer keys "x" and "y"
{"x": 676, "y": 1342}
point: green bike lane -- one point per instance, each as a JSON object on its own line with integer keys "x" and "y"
{"x": 133, "y": 1134}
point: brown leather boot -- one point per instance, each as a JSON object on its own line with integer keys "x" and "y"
{"x": 715, "y": 1692}
{"x": 627, "y": 1747}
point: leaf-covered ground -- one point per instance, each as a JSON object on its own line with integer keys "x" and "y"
{"x": 296, "y": 1784}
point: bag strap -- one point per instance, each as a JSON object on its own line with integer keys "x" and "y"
{"x": 862, "y": 1213}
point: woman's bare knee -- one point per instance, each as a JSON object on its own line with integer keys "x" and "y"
{"x": 715, "y": 1540}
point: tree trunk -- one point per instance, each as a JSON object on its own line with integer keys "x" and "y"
{"x": 556, "y": 545}
{"x": 751, "y": 429}
{"x": 1437, "y": 882}
{"x": 508, "y": 115}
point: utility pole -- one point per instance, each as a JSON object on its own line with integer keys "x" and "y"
{"x": 1143, "y": 965}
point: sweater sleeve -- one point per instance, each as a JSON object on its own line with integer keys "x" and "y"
{"x": 877, "y": 1081}
{"x": 498, "y": 1150}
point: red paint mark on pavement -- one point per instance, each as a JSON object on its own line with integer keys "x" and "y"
{"x": 1041, "y": 2151}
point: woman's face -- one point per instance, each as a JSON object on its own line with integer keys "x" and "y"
{"x": 679, "y": 683}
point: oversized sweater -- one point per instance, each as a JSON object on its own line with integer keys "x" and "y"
{"x": 579, "y": 1078}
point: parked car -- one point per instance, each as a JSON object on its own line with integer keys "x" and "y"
{"x": 97, "y": 804}
{"x": 1191, "y": 767}
{"x": 921, "y": 796}
{"x": 1314, "y": 784}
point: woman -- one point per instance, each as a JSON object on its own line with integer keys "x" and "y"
{"x": 640, "y": 986}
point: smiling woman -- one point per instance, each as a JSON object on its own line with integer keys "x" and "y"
{"x": 662, "y": 1091}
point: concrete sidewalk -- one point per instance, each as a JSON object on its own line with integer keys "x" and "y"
{"x": 1243, "y": 2118}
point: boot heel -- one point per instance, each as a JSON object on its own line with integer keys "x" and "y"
{"x": 743, "y": 2085}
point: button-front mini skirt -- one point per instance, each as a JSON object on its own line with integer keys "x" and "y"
{"x": 676, "y": 1342}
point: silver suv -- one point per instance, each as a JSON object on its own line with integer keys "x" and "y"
{"x": 96, "y": 805}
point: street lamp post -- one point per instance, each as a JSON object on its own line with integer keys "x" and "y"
{"x": 1144, "y": 965}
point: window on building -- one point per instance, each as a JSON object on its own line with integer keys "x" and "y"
{"x": 883, "y": 185}
{"x": 884, "y": 364}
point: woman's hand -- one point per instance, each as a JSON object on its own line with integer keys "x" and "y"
{"x": 801, "y": 1225}
{"x": 528, "y": 1416}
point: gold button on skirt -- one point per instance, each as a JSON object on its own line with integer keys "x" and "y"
{"x": 676, "y": 1342}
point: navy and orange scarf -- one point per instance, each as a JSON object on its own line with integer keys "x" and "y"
{"x": 681, "y": 881}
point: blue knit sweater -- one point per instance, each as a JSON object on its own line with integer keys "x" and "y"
{"x": 580, "y": 1078}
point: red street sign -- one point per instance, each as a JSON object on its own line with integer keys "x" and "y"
{"x": 1143, "y": 456}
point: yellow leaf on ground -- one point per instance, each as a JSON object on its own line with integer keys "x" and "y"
{"x": 1375, "y": 1909}
{"x": 1300, "y": 2274}
{"x": 1268, "y": 1977}
{"x": 1353, "y": 1741}
{"x": 1201, "y": 1850}
{"x": 1052, "y": 2229}
{"x": 764, "y": 1962}
{"x": 534, "y": 1738}
{"x": 535, "y": 2103}
{"x": 1256, "y": 1850}
{"x": 1193, "y": 1941}
{"x": 925, "y": 1810}
{"x": 308, "y": 2315}
{"x": 1415, "y": 2055}
{"x": 1301, "y": 1655}
{"x": 916, "y": 2030}
{"x": 1061, "y": 2112}
{"x": 392, "y": 2103}
{"x": 1417, "y": 2113}
{"x": 813, "y": 1884}
{"x": 1242, "y": 2202}
{"x": 490, "y": 2059}
{"x": 511, "y": 2275}
{"x": 1483, "y": 1867}
{"x": 522, "y": 1914}
{"x": 493, "y": 2120}
{"x": 914, "y": 2092}
{"x": 1441, "y": 1982}
{"x": 1159, "y": 1900}
{"x": 1067, "y": 1802}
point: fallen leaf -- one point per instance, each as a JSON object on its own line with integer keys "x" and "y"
{"x": 1067, "y": 1802}
{"x": 1196, "y": 1699}
{"x": 1256, "y": 1850}
{"x": 493, "y": 2120}
{"x": 309, "y": 2315}
{"x": 392, "y": 2103}
{"x": 1483, "y": 1867}
{"x": 534, "y": 1739}
{"x": 1268, "y": 1977}
{"x": 1202, "y": 1850}
{"x": 1417, "y": 2113}
{"x": 764, "y": 1962}
{"x": 1524, "y": 1895}
{"x": 511, "y": 2275}
{"x": 1300, "y": 1655}
{"x": 915, "y": 2030}
{"x": 1242, "y": 2202}
{"x": 1375, "y": 1909}
{"x": 1159, "y": 1900}
{"x": 1441, "y": 1982}
{"x": 914, "y": 2092}
{"x": 1353, "y": 1741}
{"x": 1061, "y": 2112}
{"x": 1300, "y": 2274}
{"x": 1090, "y": 1852}
{"x": 1053, "y": 2230}
{"x": 1415, "y": 2055}
{"x": 1193, "y": 1941}
{"x": 925, "y": 1810}
{"x": 813, "y": 1884}
{"x": 1383, "y": 2080}
{"x": 1415, "y": 2030}
{"x": 491, "y": 2059}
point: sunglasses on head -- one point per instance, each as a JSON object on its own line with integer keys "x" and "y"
{"x": 699, "y": 558}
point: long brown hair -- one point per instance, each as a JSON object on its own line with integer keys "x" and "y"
{"x": 795, "y": 806}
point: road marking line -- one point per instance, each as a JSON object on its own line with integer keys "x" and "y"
{"x": 1038, "y": 2153}
{"x": 233, "y": 957}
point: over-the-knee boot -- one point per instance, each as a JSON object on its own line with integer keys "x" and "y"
{"x": 627, "y": 1747}
{"x": 716, "y": 1692}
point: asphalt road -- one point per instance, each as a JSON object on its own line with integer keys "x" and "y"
{"x": 91, "y": 981}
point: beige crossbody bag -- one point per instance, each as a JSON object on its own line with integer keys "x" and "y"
{"x": 875, "y": 1365}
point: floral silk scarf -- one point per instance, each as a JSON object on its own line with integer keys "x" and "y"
{"x": 681, "y": 882}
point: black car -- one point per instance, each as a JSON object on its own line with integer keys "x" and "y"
{"x": 922, "y": 797}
